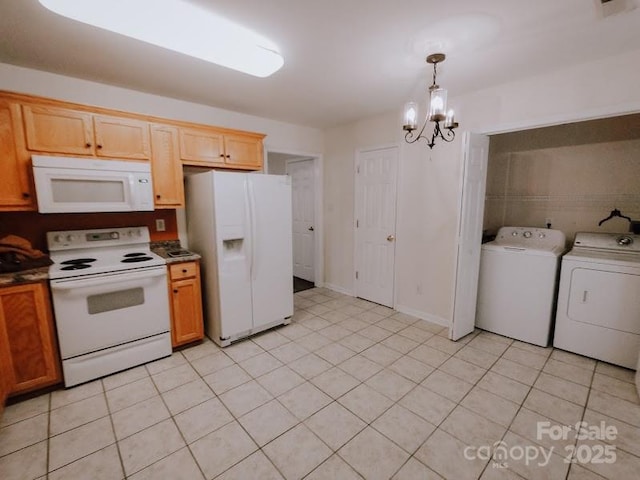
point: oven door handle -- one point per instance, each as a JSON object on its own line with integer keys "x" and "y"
{"x": 116, "y": 278}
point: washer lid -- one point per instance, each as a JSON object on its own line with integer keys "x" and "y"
{"x": 529, "y": 240}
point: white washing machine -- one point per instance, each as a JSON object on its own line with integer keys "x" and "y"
{"x": 599, "y": 299}
{"x": 517, "y": 284}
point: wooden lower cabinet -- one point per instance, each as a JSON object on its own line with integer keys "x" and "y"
{"x": 28, "y": 348}
{"x": 186, "y": 303}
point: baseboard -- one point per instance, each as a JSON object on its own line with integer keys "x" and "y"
{"x": 338, "y": 289}
{"x": 423, "y": 316}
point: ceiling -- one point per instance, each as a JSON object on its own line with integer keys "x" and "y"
{"x": 344, "y": 59}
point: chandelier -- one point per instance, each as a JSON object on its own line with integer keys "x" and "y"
{"x": 437, "y": 112}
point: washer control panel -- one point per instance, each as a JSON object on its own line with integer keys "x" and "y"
{"x": 531, "y": 237}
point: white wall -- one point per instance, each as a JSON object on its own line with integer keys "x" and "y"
{"x": 429, "y": 181}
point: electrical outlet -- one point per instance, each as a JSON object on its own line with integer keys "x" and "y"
{"x": 160, "y": 226}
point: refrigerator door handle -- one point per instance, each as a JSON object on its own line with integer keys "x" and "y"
{"x": 254, "y": 228}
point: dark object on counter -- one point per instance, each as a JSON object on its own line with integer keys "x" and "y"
{"x": 17, "y": 254}
{"x": 614, "y": 213}
{"x": 634, "y": 226}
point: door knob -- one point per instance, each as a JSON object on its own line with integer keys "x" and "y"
{"x": 391, "y": 238}
{"x": 310, "y": 229}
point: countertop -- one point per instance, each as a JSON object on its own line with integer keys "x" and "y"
{"x": 24, "y": 276}
{"x": 162, "y": 249}
{"x": 42, "y": 274}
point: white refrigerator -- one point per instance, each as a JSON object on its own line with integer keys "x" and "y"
{"x": 240, "y": 224}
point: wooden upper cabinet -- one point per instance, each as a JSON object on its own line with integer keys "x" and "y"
{"x": 166, "y": 168}
{"x": 58, "y": 130}
{"x": 243, "y": 151}
{"x": 220, "y": 149}
{"x": 201, "y": 147}
{"x": 66, "y": 131}
{"x": 28, "y": 347}
{"x": 117, "y": 137}
{"x": 16, "y": 192}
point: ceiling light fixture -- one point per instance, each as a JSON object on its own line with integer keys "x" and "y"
{"x": 179, "y": 26}
{"x": 437, "y": 112}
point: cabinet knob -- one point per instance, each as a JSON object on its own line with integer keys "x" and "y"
{"x": 228, "y": 156}
{"x": 25, "y": 195}
{"x": 222, "y": 155}
{"x": 184, "y": 270}
{"x": 98, "y": 146}
{"x": 175, "y": 290}
{"x": 158, "y": 196}
{"x": 87, "y": 145}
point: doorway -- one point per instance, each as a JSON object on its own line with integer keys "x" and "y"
{"x": 304, "y": 171}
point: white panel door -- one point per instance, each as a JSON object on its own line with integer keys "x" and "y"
{"x": 302, "y": 185}
{"x": 476, "y": 148}
{"x": 376, "y": 184}
{"x": 271, "y": 252}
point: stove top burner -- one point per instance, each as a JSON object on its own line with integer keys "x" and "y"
{"x": 75, "y": 266}
{"x": 134, "y": 254}
{"x": 136, "y": 259}
{"x": 76, "y": 261}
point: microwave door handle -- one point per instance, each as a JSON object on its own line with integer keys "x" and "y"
{"x": 82, "y": 283}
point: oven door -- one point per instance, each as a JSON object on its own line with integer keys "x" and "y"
{"x": 102, "y": 311}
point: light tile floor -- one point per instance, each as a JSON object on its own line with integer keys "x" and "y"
{"x": 349, "y": 390}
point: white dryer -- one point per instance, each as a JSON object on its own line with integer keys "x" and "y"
{"x": 598, "y": 311}
{"x": 517, "y": 283}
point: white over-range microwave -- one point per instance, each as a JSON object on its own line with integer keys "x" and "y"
{"x": 69, "y": 185}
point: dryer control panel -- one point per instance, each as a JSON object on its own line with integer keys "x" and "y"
{"x": 616, "y": 242}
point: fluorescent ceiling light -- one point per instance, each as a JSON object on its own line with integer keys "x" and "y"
{"x": 179, "y": 26}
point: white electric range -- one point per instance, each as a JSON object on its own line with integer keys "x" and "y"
{"x": 110, "y": 300}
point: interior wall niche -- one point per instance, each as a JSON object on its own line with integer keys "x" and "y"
{"x": 570, "y": 176}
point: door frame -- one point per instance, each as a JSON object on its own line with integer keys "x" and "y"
{"x": 356, "y": 185}
{"x": 306, "y": 159}
{"x": 318, "y": 214}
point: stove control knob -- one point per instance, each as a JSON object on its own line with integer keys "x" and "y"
{"x": 58, "y": 238}
{"x": 514, "y": 233}
{"x": 133, "y": 233}
{"x": 527, "y": 234}
{"x": 114, "y": 235}
{"x": 71, "y": 238}
{"x": 541, "y": 235}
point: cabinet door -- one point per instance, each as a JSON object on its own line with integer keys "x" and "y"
{"x": 121, "y": 138}
{"x": 201, "y": 147}
{"x": 58, "y": 130}
{"x": 29, "y": 352}
{"x": 166, "y": 167}
{"x": 4, "y": 383}
{"x": 15, "y": 189}
{"x": 243, "y": 151}
{"x": 186, "y": 307}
